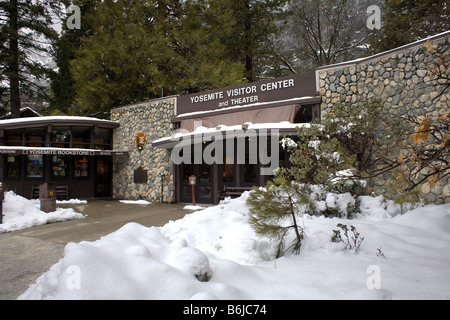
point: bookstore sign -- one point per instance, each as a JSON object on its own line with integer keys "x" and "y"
{"x": 61, "y": 152}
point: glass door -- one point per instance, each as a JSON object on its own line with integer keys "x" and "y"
{"x": 204, "y": 183}
{"x": 204, "y": 187}
{"x": 102, "y": 181}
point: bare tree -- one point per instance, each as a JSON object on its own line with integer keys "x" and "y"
{"x": 327, "y": 31}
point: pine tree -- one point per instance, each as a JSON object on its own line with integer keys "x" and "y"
{"x": 62, "y": 87}
{"x": 250, "y": 41}
{"x": 274, "y": 211}
{"x": 139, "y": 51}
{"x": 25, "y": 43}
{"x": 113, "y": 66}
{"x": 406, "y": 21}
{"x": 205, "y": 63}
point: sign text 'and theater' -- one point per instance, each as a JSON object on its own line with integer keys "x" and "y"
{"x": 258, "y": 92}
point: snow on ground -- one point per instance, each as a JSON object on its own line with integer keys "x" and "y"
{"x": 193, "y": 208}
{"x": 71, "y": 201}
{"x": 143, "y": 202}
{"x": 20, "y": 213}
{"x": 401, "y": 257}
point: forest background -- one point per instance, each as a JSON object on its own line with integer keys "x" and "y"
{"x": 127, "y": 51}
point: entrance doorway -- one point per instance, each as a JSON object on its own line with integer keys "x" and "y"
{"x": 102, "y": 181}
{"x": 203, "y": 188}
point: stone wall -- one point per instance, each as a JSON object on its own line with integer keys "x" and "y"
{"x": 153, "y": 119}
{"x": 403, "y": 79}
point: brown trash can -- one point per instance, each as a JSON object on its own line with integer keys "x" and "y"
{"x": 47, "y": 197}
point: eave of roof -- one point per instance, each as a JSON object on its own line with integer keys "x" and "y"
{"x": 56, "y": 120}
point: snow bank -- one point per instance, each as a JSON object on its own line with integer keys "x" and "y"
{"x": 217, "y": 244}
{"x": 222, "y": 230}
{"x": 20, "y": 213}
{"x": 134, "y": 262}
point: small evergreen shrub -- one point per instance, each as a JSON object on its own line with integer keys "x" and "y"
{"x": 274, "y": 210}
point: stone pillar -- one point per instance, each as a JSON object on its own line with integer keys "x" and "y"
{"x": 154, "y": 120}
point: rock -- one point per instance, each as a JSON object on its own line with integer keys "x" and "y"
{"x": 446, "y": 190}
{"x": 425, "y": 188}
{"x": 421, "y": 73}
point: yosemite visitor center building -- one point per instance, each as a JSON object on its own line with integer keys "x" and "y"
{"x": 216, "y": 143}
{"x": 212, "y": 144}
{"x": 227, "y": 140}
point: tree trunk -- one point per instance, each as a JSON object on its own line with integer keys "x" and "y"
{"x": 248, "y": 43}
{"x": 14, "y": 60}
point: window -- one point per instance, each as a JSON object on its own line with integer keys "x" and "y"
{"x": 35, "y": 166}
{"x": 204, "y": 173}
{"x": 103, "y": 139}
{"x": 228, "y": 170}
{"x": 61, "y": 137}
{"x": 80, "y": 167}
{"x": 13, "y": 137}
{"x": 251, "y": 160}
{"x": 250, "y": 171}
{"x": 35, "y": 137}
{"x": 13, "y": 166}
{"x": 81, "y": 137}
{"x": 308, "y": 114}
{"x": 59, "y": 166}
{"x": 188, "y": 170}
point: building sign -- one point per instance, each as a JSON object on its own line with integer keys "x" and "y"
{"x": 284, "y": 88}
{"x": 60, "y": 152}
{"x": 140, "y": 141}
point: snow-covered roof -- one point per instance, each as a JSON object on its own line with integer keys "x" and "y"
{"x": 29, "y": 122}
{"x": 246, "y": 128}
{"x": 23, "y": 110}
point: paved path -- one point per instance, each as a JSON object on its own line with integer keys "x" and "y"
{"x": 27, "y": 254}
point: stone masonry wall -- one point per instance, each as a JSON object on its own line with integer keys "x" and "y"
{"x": 403, "y": 80}
{"x": 153, "y": 119}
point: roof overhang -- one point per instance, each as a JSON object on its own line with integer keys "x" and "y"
{"x": 203, "y": 134}
{"x": 34, "y": 122}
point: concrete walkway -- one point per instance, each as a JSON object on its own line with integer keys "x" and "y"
{"x": 25, "y": 255}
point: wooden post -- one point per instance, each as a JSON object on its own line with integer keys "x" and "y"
{"x": 2, "y": 197}
{"x": 193, "y": 182}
